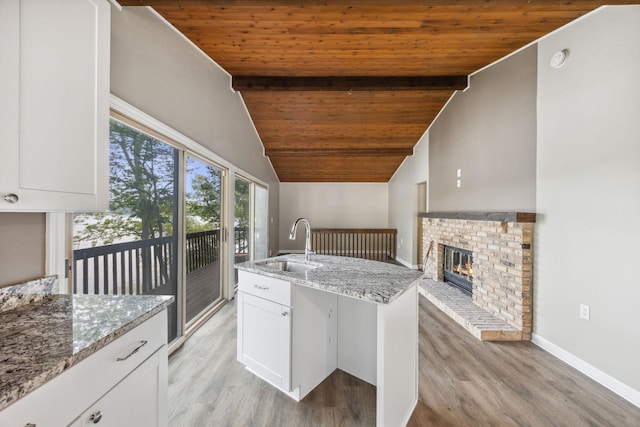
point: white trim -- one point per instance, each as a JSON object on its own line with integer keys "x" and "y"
{"x": 128, "y": 110}
{"x": 406, "y": 264}
{"x": 200, "y": 51}
{"x": 444, "y": 107}
{"x": 427, "y": 131}
{"x": 616, "y": 386}
{"x": 116, "y": 4}
{"x": 253, "y": 125}
{"x": 229, "y": 221}
{"x": 538, "y": 40}
{"x": 56, "y": 248}
{"x": 193, "y": 45}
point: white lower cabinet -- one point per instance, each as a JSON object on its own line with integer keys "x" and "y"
{"x": 265, "y": 342}
{"x": 287, "y": 334}
{"x": 123, "y": 384}
{"x": 133, "y": 402}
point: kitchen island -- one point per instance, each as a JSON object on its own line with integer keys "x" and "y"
{"x": 300, "y": 320}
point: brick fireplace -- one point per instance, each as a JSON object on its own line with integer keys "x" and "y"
{"x": 502, "y": 248}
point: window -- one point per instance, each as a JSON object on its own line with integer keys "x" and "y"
{"x": 168, "y": 230}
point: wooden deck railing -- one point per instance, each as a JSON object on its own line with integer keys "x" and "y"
{"x": 370, "y": 243}
{"x": 145, "y": 266}
{"x": 203, "y": 248}
{"x": 124, "y": 268}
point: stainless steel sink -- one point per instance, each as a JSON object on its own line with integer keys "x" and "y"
{"x": 292, "y": 266}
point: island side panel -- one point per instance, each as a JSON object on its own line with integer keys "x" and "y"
{"x": 357, "y": 338}
{"x": 397, "y": 372}
{"x": 315, "y": 342}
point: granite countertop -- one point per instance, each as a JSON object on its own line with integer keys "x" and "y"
{"x": 359, "y": 278}
{"x": 43, "y": 337}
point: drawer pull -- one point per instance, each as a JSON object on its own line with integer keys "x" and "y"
{"x": 264, "y": 288}
{"x": 134, "y": 351}
{"x": 95, "y": 417}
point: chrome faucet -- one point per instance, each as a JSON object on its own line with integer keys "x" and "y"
{"x": 307, "y": 228}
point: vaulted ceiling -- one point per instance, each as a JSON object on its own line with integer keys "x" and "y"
{"x": 341, "y": 91}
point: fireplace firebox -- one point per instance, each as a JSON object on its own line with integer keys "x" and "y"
{"x": 458, "y": 268}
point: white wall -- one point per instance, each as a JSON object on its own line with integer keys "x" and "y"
{"x": 588, "y": 193}
{"x": 403, "y": 201}
{"x": 158, "y": 71}
{"x": 489, "y": 132}
{"x": 22, "y": 247}
{"x": 331, "y": 205}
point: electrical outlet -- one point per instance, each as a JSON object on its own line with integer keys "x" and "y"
{"x": 584, "y": 312}
{"x": 458, "y": 182}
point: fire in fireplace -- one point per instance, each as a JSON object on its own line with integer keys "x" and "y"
{"x": 458, "y": 268}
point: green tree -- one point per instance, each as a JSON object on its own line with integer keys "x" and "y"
{"x": 242, "y": 205}
{"x": 141, "y": 187}
{"x": 203, "y": 196}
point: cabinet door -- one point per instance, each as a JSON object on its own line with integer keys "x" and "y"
{"x": 133, "y": 402}
{"x": 314, "y": 351}
{"x": 55, "y": 124}
{"x": 264, "y": 339}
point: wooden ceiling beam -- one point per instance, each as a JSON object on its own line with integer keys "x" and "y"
{"x": 348, "y": 83}
{"x": 340, "y": 152}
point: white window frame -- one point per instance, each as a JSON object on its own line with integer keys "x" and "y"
{"x": 57, "y": 222}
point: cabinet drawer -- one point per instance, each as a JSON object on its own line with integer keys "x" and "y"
{"x": 127, "y": 352}
{"x": 265, "y": 287}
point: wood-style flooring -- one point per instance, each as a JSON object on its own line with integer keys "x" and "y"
{"x": 463, "y": 382}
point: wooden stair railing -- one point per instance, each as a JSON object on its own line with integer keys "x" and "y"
{"x": 369, "y": 243}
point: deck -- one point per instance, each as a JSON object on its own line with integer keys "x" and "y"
{"x": 203, "y": 286}
{"x": 203, "y": 289}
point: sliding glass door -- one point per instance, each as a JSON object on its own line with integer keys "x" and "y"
{"x": 251, "y": 224}
{"x": 260, "y": 222}
{"x": 169, "y": 229}
{"x": 242, "y": 221}
{"x": 133, "y": 248}
{"x": 204, "y": 254}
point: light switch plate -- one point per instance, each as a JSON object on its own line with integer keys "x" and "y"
{"x": 584, "y": 312}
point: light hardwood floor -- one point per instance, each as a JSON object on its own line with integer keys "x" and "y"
{"x": 463, "y": 382}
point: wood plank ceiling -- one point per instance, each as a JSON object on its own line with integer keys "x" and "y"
{"x": 341, "y": 91}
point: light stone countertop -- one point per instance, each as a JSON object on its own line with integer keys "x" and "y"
{"x": 374, "y": 281}
{"x": 41, "y": 339}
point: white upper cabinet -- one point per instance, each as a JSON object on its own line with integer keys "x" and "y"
{"x": 54, "y": 105}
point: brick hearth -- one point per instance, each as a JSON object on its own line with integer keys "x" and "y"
{"x": 502, "y": 245}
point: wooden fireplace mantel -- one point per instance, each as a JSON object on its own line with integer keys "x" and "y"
{"x": 483, "y": 216}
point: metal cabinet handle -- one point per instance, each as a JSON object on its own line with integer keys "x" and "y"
{"x": 29, "y": 425}
{"x": 134, "y": 351}
{"x": 95, "y": 417}
{"x": 11, "y": 198}
{"x": 264, "y": 288}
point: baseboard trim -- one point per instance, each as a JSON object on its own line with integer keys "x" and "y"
{"x": 619, "y": 388}
{"x": 407, "y": 264}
